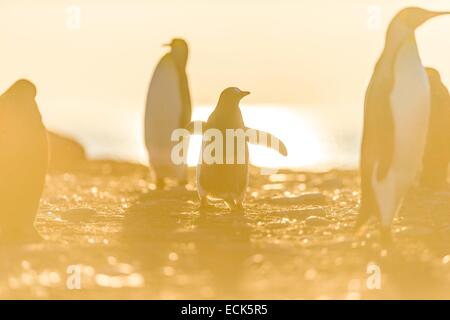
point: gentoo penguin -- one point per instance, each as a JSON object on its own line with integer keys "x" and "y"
{"x": 437, "y": 153}
{"x": 23, "y": 161}
{"x": 168, "y": 107}
{"x": 396, "y": 115}
{"x": 228, "y": 178}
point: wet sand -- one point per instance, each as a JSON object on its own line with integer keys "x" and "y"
{"x": 295, "y": 241}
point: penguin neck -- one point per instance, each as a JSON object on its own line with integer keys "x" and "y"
{"x": 408, "y": 51}
{"x": 410, "y": 44}
{"x": 226, "y": 107}
{"x": 180, "y": 59}
{"x": 393, "y": 48}
{"x": 228, "y": 113}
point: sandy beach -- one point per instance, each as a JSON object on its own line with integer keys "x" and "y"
{"x": 295, "y": 241}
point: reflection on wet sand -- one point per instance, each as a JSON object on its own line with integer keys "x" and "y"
{"x": 165, "y": 227}
{"x": 294, "y": 241}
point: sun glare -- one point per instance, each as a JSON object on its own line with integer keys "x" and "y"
{"x": 295, "y": 128}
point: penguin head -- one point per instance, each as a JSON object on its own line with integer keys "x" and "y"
{"x": 232, "y": 96}
{"x": 433, "y": 74}
{"x": 413, "y": 17}
{"x": 180, "y": 50}
{"x": 21, "y": 90}
{"x": 439, "y": 91}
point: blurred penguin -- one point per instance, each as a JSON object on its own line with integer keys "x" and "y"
{"x": 23, "y": 161}
{"x": 168, "y": 107}
{"x": 437, "y": 153}
{"x": 227, "y": 178}
{"x": 396, "y": 120}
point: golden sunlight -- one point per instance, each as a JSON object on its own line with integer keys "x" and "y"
{"x": 338, "y": 186}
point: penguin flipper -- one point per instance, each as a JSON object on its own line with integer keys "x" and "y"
{"x": 376, "y": 159}
{"x": 268, "y": 140}
{"x": 378, "y": 136}
{"x": 383, "y": 127}
{"x": 186, "y": 113}
{"x": 193, "y": 126}
{"x": 377, "y": 147}
{"x": 386, "y": 145}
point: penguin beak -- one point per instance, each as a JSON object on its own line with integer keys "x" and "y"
{"x": 167, "y": 45}
{"x": 429, "y": 15}
{"x": 436, "y": 13}
{"x": 244, "y": 93}
{"x": 433, "y": 14}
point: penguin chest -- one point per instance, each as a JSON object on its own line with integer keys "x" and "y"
{"x": 218, "y": 177}
{"x": 410, "y": 103}
{"x": 164, "y": 107}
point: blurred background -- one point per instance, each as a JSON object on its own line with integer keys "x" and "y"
{"x": 307, "y": 64}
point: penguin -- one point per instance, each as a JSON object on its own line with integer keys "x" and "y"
{"x": 228, "y": 180}
{"x": 437, "y": 153}
{"x": 168, "y": 107}
{"x": 396, "y": 115}
{"x": 23, "y": 161}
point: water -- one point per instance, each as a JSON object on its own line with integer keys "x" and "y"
{"x": 317, "y": 137}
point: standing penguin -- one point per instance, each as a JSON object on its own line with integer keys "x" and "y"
{"x": 227, "y": 178}
{"x": 23, "y": 161}
{"x": 168, "y": 107}
{"x": 396, "y": 115}
{"x": 437, "y": 152}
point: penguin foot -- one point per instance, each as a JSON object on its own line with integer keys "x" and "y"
{"x": 160, "y": 184}
{"x": 235, "y": 206}
{"x": 230, "y": 204}
{"x": 238, "y": 208}
{"x": 205, "y": 206}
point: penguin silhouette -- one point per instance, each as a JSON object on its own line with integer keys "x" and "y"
{"x": 23, "y": 161}
{"x": 396, "y": 115}
{"x": 168, "y": 107}
{"x": 228, "y": 179}
{"x": 437, "y": 153}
